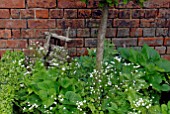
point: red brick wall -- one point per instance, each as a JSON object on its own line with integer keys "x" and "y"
{"x": 24, "y": 21}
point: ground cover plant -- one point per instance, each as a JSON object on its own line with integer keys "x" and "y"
{"x": 130, "y": 82}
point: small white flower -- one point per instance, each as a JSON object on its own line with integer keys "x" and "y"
{"x": 63, "y": 69}
{"x": 51, "y": 108}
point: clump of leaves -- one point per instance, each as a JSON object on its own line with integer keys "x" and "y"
{"x": 11, "y": 72}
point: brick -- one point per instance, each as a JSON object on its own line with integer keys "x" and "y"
{"x": 12, "y": 23}
{"x": 84, "y": 13}
{"x": 12, "y": 4}
{"x": 92, "y": 3}
{"x": 73, "y": 23}
{"x": 151, "y": 13}
{"x": 39, "y": 33}
{"x": 136, "y": 32}
{"x": 138, "y": 14}
{"x": 149, "y": 32}
{"x": 56, "y": 13}
{"x": 161, "y": 49}
{"x": 94, "y": 23}
{"x": 152, "y": 23}
{"x": 16, "y": 33}
{"x": 164, "y": 13}
{"x": 126, "y": 23}
{"x": 167, "y": 57}
{"x": 121, "y": 42}
{"x": 41, "y": 3}
{"x": 113, "y": 13}
{"x": 72, "y": 52}
{"x": 27, "y": 33}
{"x": 130, "y": 4}
{"x": 2, "y": 51}
{"x": 162, "y": 32}
{"x": 71, "y": 4}
{"x": 16, "y": 44}
{"x": 42, "y": 14}
{"x": 78, "y": 42}
{"x": 94, "y": 32}
{"x": 4, "y": 14}
{"x": 111, "y": 32}
{"x": 3, "y": 43}
{"x": 82, "y": 51}
{"x": 42, "y": 24}
{"x": 123, "y": 32}
{"x": 85, "y": 32}
{"x": 5, "y": 33}
{"x": 70, "y": 13}
{"x": 90, "y": 42}
{"x": 150, "y": 41}
{"x": 168, "y": 50}
{"x": 124, "y": 14}
{"x": 167, "y": 41}
{"x": 15, "y": 13}
{"x": 156, "y": 4}
{"x": 96, "y": 13}
{"x": 27, "y": 13}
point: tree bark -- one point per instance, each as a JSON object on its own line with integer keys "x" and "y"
{"x": 101, "y": 37}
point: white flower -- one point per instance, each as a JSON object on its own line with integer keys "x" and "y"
{"x": 63, "y": 69}
{"x": 51, "y": 108}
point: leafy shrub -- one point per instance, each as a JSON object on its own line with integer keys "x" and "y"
{"x": 11, "y": 71}
{"x": 131, "y": 81}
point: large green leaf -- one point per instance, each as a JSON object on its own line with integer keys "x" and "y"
{"x": 66, "y": 82}
{"x": 164, "y": 64}
{"x": 165, "y": 87}
{"x": 72, "y": 96}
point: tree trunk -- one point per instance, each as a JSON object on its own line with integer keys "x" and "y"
{"x": 101, "y": 37}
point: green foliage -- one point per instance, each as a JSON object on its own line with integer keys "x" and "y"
{"x": 11, "y": 71}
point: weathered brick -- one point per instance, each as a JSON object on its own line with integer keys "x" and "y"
{"x": 136, "y": 32}
{"x": 138, "y": 14}
{"x": 167, "y": 41}
{"x": 94, "y": 32}
{"x": 78, "y": 42}
{"x": 72, "y": 52}
{"x": 73, "y": 23}
{"x": 56, "y": 13}
{"x": 93, "y": 4}
{"x": 15, "y": 13}
{"x": 126, "y": 23}
{"x": 84, "y": 13}
{"x": 90, "y": 42}
{"x": 42, "y": 13}
{"x": 82, "y": 51}
{"x": 39, "y": 33}
{"x": 70, "y": 13}
{"x": 16, "y": 44}
{"x": 156, "y": 4}
{"x": 42, "y": 24}
{"x": 124, "y": 14}
{"x": 167, "y": 57}
{"x": 168, "y": 50}
{"x": 113, "y": 13}
{"x": 16, "y": 33}
{"x": 12, "y": 23}
{"x": 4, "y": 14}
{"x": 121, "y": 42}
{"x": 5, "y": 33}
{"x": 41, "y": 3}
{"x": 27, "y": 33}
{"x": 3, "y": 43}
{"x": 161, "y": 49}
{"x": 149, "y": 32}
{"x": 152, "y": 41}
{"x": 164, "y": 13}
{"x": 123, "y": 32}
{"x": 151, "y": 13}
{"x": 94, "y": 23}
{"x": 162, "y": 32}
{"x": 130, "y": 4}
{"x": 96, "y": 13}
{"x": 12, "y": 3}
{"x": 85, "y": 32}
{"x": 152, "y": 23}
{"x": 71, "y": 4}
{"x": 27, "y": 13}
{"x": 111, "y": 32}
